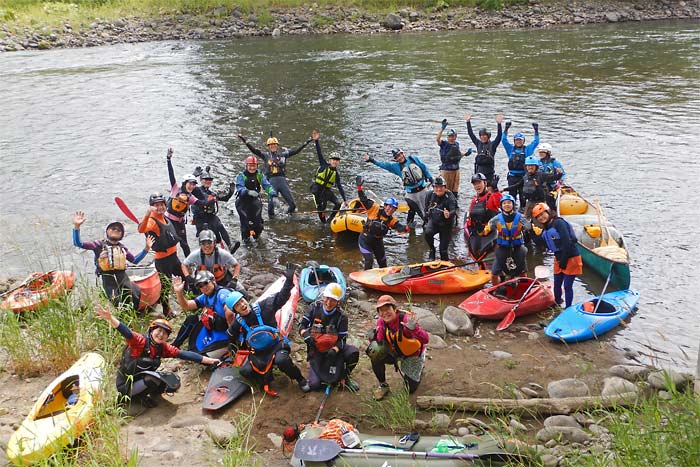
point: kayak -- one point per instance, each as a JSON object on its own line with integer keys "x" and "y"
{"x": 495, "y": 302}
{"x": 353, "y": 218}
{"x": 480, "y": 248}
{"x": 285, "y": 315}
{"x": 312, "y": 281}
{"x": 578, "y": 322}
{"x": 603, "y": 247}
{"x": 37, "y": 290}
{"x": 150, "y": 288}
{"x": 51, "y": 425}
{"x": 409, "y": 450}
{"x": 433, "y": 278}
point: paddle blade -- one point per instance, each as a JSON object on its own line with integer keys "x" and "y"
{"x": 541, "y": 272}
{"x": 506, "y": 321}
{"x": 395, "y": 279}
{"x": 316, "y": 450}
{"x": 125, "y": 209}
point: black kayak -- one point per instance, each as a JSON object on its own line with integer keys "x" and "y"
{"x": 225, "y": 386}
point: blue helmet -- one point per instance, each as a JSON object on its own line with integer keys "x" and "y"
{"x": 532, "y": 160}
{"x": 519, "y": 136}
{"x": 233, "y": 298}
{"x": 391, "y": 202}
{"x": 507, "y": 197}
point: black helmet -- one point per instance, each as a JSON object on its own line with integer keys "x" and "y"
{"x": 206, "y": 176}
{"x": 156, "y": 198}
{"x": 439, "y": 181}
{"x": 116, "y": 224}
{"x": 478, "y": 177}
{"x": 484, "y": 131}
{"x": 396, "y": 151}
{"x": 206, "y": 236}
{"x": 203, "y": 277}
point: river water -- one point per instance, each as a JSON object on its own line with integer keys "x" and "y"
{"x": 619, "y": 104}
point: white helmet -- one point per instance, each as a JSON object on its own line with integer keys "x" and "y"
{"x": 545, "y": 147}
{"x": 334, "y": 291}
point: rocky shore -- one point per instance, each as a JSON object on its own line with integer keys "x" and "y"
{"x": 222, "y": 23}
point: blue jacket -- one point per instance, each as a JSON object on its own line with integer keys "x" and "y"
{"x": 242, "y": 188}
{"x": 549, "y": 165}
{"x": 529, "y": 150}
{"x": 396, "y": 169}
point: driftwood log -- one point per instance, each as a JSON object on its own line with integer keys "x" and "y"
{"x": 541, "y": 406}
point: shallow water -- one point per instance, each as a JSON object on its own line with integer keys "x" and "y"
{"x": 619, "y": 103}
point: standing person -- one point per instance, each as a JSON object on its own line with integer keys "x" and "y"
{"x": 218, "y": 261}
{"x": 137, "y": 374}
{"x": 482, "y": 207}
{"x": 249, "y": 184}
{"x": 275, "y": 169}
{"x": 550, "y": 165}
{"x": 325, "y": 331}
{"x": 398, "y": 339}
{"x": 165, "y": 245}
{"x": 441, "y": 210}
{"x": 533, "y": 185}
{"x": 181, "y": 197}
{"x": 517, "y": 153}
{"x": 485, "y": 161}
{"x": 205, "y": 330}
{"x": 205, "y": 216}
{"x": 511, "y": 253}
{"x": 379, "y": 221}
{"x": 110, "y": 261}
{"x": 415, "y": 177}
{"x": 326, "y": 176}
{"x": 255, "y": 329}
{"x": 450, "y": 156}
{"x": 560, "y": 239}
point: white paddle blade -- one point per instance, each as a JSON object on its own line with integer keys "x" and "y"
{"x": 541, "y": 272}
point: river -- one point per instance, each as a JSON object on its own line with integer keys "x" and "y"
{"x": 619, "y": 104}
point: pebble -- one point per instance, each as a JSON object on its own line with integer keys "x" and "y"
{"x": 463, "y": 431}
{"x": 139, "y": 430}
{"x": 529, "y": 392}
{"x": 501, "y": 354}
{"x": 549, "y": 460}
{"x": 275, "y": 439}
{"x": 440, "y": 421}
{"x": 561, "y": 420}
{"x": 221, "y": 431}
{"x": 436, "y": 342}
{"x": 516, "y": 425}
{"x": 667, "y": 379}
{"x": 615, "y": 385}
{"x": 572, "y": 434}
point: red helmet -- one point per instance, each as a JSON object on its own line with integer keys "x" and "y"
{"x": 251, "y": 160}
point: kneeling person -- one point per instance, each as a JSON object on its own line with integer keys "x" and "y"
{"x": 325, "y": 330}
{"x": 218, "y": 261}
{"x": 398, "y": 340}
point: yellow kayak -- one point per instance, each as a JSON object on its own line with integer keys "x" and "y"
{"x": 54, "y": 422}
{"x": 353, "y": 219}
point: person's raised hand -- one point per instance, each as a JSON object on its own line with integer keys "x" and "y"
{"x": 289, "y": 270}
{"x": 535, "y": 126}
{"x": 103, "y": 313}
{"x": 150, "y": 240}
{"x": 366, "y": 157}
{"x": 169, "y": 155}
{"x": 359, "y": 180}
{"x": 178, "y": 284}
{"x": 315, "y": 135}
{"x": 508, "y": 124}
{"x": 241, "y": 137}
{"x": 467, "y": 116}
{"x": 78, "y": 219}
{"x": 499, "y": 118}
{"x": 443, "y": 123}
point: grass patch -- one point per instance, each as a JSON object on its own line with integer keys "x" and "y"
{"x": 240, "y": 450}
{"x": 394, "y": 412}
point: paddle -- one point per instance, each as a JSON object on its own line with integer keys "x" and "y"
{"x": 541, "y": 272}
{"x": 313, "y": 265}
{"x": 599, "y": 212}
{"x": 34, "y": 277}
{"x": 323, "y": 405}
{"x": 125, "y": 209}
{"x": 324, "y": 450}
{"x": 400, "y": 277}
{"x": 605, "y": 286}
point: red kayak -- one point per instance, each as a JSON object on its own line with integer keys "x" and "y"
{"x": 495, "y": 302}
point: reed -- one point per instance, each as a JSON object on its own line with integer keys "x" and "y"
{"x": 394, "y": 412}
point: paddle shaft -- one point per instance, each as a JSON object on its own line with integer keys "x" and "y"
{"x": 323, "y": 403}
{"x": 607, "y": 281}
{"x": 400, "y": 279}
{"x": 125, "y": 209}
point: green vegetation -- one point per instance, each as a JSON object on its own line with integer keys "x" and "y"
{"x": 240, "y": 450}
{"x": 394, "y": 412}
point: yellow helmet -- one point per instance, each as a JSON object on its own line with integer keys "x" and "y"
{"x": 272, "y": 140}
{"x": 334, "y": 291}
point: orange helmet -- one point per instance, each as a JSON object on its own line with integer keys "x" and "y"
{"x": 272, "y": 140}
{"x": 160, "y": 323}
{"x": 539, "y": 209}
{"x": 251, "y": 160}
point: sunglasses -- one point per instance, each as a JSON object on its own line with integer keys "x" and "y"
{"x": 206, "y": 242}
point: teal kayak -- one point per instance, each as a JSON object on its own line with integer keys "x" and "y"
{"x": 313, "y": 280}
{"x": 578, "y": 322}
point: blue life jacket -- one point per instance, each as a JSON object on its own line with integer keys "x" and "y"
{"x": 512, "y": 236}
{"x": 516, "y": 162}
{"x": 261, "y": 337}
{"x": 553, "y": 240}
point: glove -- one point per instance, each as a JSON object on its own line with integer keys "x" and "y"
{"x": 411, "y": 323}
{"x": 536, "y": 127}
{"x": 242, "y": 138}
{"x": 494, "y": 182}
{"x": 469, "y": 151}
{"x": 332, "y": 353}
{"x": 359, "y": 181}
{"x": 290, "y": 270}
{"x": 252, "y": 193}
{"x": 444, "y": 123}
{"x": 170, "y": 153}
{"x": 310, "y": 343}
{"x": 232, "y": 349}
{"x": 197, "y": 171}
{"x": 508, "y": 124}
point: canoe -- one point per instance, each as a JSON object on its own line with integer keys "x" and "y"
{"x": 480, "y": 248}
{"x": 353, "y": 219}
{"x": 376, "y": 451}
{"x": 310, "y": 289}
{"x": 38, "y": 289}
{"x": 577, "y": 322}
{"x": 150, "y": 288}
{"x": 285, "y": 315}
{"x": 495, "y": 302}
{"x": 602, "y": 246}
{"x": 50, "y": 425}
{"x": 431, "y": 278}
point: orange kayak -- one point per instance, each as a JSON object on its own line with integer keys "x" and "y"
{"x": 150, "y": 288}
{"x": 38, "y": 289}
{"x": 433, "y": 278}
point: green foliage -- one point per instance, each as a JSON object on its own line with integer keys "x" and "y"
{"x": 321, "y": 21}
{"x": 490, "y": 4}
{"x": 7, "y": 15}
{"x": 263, "y": 17}
{"x": 240, "y": 450}
{"x": 394, "y": 412}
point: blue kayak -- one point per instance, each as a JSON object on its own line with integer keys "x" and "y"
{"x": 311, "y": 288}
{"x": 578, "y": 322}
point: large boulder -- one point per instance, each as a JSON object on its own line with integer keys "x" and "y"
{"x": 436, "y": 342}
{"x": 615, "y": 385}
{"x": 431, "y": 323}
{"x": 221, "y": 432}
{"x": 557, "y": 433}
{"x": 667, "y": 379}
{"x": 393, "y": 22}
{"x": 561, "y": 420}
{"x": 569, "y": 387}
{"x": 629, "y": 372}
{"x": 457, "y": 322}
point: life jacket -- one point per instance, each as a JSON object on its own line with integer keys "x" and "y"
{"x": 130, "y": 365}
{"x": 326, "y": 177}
{"x": 210, "y": 319}
{"x": 218, "y": 270}
{"x": 484, "y": 162}
{"x": 532, "y": 189}
{"x": 400, "y": 344}
{"x": 377, "y": 227}
{"x": 252, "y": 181}
{"x": 516, "y": 163}
{"x": 178, "y": 204}
{"x": 325, "y": 336}
{"x": 168, "y": 236}
{"x": 209, "y": 208}
{"x": 111, "y": 258}
{"x": 553, "y": 239}
{"x": 450, "y": 157}
{"x": 512, "y": 236}
{"x": 411, "y": 173}
{"x": 276, "y": 164}
{"x": 261, "y": 337}
{"x": 436, "y": 205}
{"x": 478, "y": 212}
